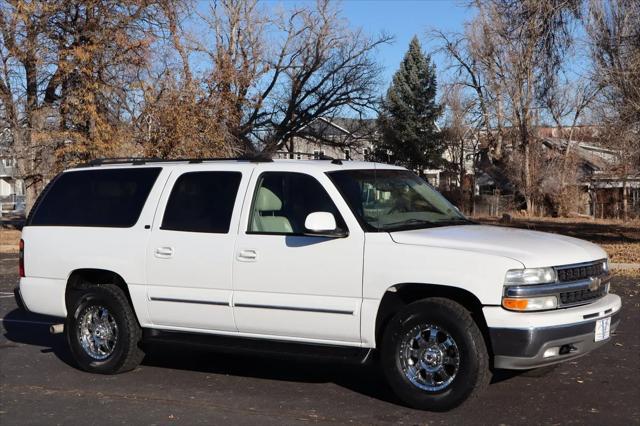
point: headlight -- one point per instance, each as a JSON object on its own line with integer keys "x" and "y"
{"x": 530, "y": 276}
{"x": 530, "y": 303}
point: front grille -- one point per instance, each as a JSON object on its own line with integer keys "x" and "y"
{"x": 582, "y": 296}
{"x": 581, "y": 272}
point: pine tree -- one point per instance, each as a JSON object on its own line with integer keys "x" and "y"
{"x": 409, "y": 111}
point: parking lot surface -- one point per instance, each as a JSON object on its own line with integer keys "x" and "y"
{"x": 180, "y": 385}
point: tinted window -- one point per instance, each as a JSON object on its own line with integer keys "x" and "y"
{"x": 282, "y": 202}
{"x": 103, "y": 198}
{"x": 202, "y": 202}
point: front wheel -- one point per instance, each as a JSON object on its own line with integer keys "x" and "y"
{"x": 434, "y": 356}
{"x": 102, "y": 331}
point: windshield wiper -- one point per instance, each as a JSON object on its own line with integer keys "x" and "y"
{"x": 449, "y": 222}
{"x": 430, "y": 224}
{"x": 408, "y": 222}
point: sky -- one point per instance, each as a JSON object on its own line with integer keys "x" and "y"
{"x": 400, "y": 18}
{"x": 403, "y": 19}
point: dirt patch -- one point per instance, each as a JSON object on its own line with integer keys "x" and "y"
{"x": 9, "y": 240}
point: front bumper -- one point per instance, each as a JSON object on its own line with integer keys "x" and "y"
{"x": 521, "y": 343}
{"x": 523, "y": 349}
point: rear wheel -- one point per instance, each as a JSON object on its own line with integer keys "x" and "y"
{"x": 434, "y": 356}
{"x": 102, "y": 331}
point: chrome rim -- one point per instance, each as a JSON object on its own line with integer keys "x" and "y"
{"x": 429, "y": 357}
{"x": 97, "y": 332}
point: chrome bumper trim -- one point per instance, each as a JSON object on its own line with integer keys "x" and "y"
{"x": 522, "y": 349}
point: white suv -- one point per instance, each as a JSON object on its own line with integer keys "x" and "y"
{"x": 316, "y": 257}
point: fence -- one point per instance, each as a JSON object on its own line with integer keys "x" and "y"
{"x": 494, "y": 204}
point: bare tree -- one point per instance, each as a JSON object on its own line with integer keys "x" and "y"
{"x": 461, "y": 131}
{"x": 66, "y": 71}
{"x": 283, "y": 73}
{"x": 615, "y": 48}
{"x": 27, "y": 55}
{"x": 509, "y": 57}
{"x": 266, "y": 74}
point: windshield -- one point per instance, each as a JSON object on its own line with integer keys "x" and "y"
{"x": 394, "y": 200}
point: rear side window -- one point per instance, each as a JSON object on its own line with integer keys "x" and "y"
{"x": 98, "y": 198}
{"x": 202, "y": 202}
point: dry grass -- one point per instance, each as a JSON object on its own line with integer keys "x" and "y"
{"x": 633, "y": 274}
{"x": 623, "y": 252}
{"x": 620, "y": 239}
{"x": 9, "y": 240}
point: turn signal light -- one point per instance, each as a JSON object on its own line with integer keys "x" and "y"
{"x": 515, "y": 304}
{"x": 530, "y": 304}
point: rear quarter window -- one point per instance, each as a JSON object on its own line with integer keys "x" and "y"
{"x": 96, "y": 198}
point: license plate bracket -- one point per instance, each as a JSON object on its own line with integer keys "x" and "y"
{"x": 603, "y": 329}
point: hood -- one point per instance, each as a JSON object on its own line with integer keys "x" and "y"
{"x": 531, "y": 248}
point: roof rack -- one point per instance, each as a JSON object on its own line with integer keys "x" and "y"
{"x": 136, "y": 161}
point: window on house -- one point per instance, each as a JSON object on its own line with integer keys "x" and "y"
{"x": 202, "y": 202}
{"x": 347, "y": 154}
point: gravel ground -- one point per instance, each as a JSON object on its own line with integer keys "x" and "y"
{"x": 177, "y": 385}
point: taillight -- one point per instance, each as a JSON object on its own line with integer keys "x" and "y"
{"x": 21, "y": 261}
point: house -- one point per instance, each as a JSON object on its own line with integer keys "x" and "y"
{"x": 344, "y": 139}
{"x": 11, "y": 188}
{"x": 604, "y": 189}
{"x": 9, "y": 185}
{"x": 339, "y": 138}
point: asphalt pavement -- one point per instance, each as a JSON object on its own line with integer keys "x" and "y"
{"x": 180, "y": 385}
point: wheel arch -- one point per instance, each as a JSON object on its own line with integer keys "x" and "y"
{"x": 399, "y": 295}
{"x": 84, "y": 277}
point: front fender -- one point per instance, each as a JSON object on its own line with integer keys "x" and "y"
{"x": 387, "y": 264}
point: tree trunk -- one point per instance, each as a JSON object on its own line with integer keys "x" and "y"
{"x": 527, "y": 179}
{"x": 499, "y": 117}
{"x": 625, "y": 204}
{"x": 461, "y": 176}
{"x": 31, "y": 194}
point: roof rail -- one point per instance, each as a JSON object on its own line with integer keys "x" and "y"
{"x": 119, "y": 160}
{"x": 136, "y": 161}
{"x": 333, "y": 160}
{"x": 324, "y": 157}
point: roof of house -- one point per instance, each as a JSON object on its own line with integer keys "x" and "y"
{"x": 596, "y": 157}
{"x": 340, "y": 127}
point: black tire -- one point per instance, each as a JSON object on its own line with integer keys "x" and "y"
{"x": 472, "y": 374}
{"x": 126, "y": 353}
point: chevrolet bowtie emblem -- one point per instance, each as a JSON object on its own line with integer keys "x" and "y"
{"x": 594, "y": 283}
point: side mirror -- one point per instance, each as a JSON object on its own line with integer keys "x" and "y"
{"x": 322, "y": 224}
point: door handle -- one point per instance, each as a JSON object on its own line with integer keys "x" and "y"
{"x": 247, "y": 255}
{"x": 164, "y": 252}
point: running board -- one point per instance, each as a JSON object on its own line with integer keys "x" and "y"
{"x": 265, "y": 347}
